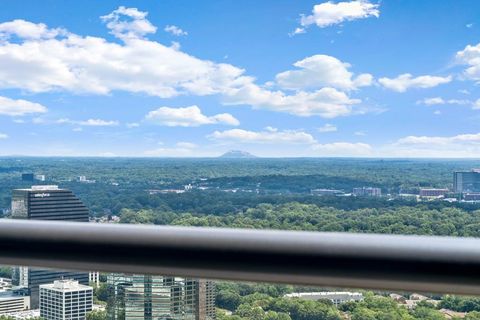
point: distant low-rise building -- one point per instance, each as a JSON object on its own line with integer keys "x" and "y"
{"x": 367, "y": 192}
{"x": 14, "y": 301}
{"x": 336, "y": 298}
{"x": 24, "y": 315}
{"x": 326, "y": 192}
{"x": 432, "y": 192}
{"x": 40, "y": 177}
{"x": 471, "y": 196}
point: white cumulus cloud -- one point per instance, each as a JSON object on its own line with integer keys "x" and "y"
{"x": 3, "y": 136}
{"x": 457, "y": 146}
{"x": 269, "y": 136}
{"x": 89, "y": 122}
{"x": 406, "y": 81}
{"x": 176, "y": 31}
{"x": 322, "y": 71}
{"x": 331, "y": 13}
{"x": 12, "y": 107}
{"x": 135, "y": 27}
{"x": 190, "y": 116}
{"x": 470, "y": 56}
{"x": 46, "y": 59}
{"x": 327, "y": 128}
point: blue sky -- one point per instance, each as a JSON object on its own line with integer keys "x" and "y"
{"x": 275, "y": 78}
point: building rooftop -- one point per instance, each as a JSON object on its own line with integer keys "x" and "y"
{"x": 323, "y": 293}
{"x": 65, "y": 285}
{"x": 42, "y": 188}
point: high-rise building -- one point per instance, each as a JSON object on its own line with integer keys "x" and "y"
{"x": 46, "y": 203}
{"x": 65, "y": 299}
{"x": 466, "y": 181}
{"x": 144, "y": 297}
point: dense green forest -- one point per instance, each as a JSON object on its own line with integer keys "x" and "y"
{"x": 122, "y": 182}
{"x": 269, "y": 194}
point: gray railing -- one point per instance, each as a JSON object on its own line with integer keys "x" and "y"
{"x": 392, "y": 262}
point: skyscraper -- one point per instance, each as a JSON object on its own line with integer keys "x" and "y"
{"x": 145, "y": 297}
{"x": 466, "y": 181}
{"x": 46, "y": 203}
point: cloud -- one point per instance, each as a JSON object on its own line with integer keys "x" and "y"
{"x": 326, "y": 102}
{"x": 439, "y": 100}
{"x": 135, "y": 27}
{"x": 132, "y": 125}
{"x": 476, "y": 105}
{"x": 470, "y": 56}
{"x": 327, "y": 128}
{"x": 269, "y": 136}
{"x": 322, "y": 71}
{"x": 3, "y": 136}
{"x": 11, "y": 107}
{"x": 28, "y": 30}
{"x": 176, "y": 31}
{"x": 405, "y": 81}
{"x": 343, "y": 149}
{"x": 89, "y": 122}
{"x": 329, "y": 13}
{"x": 181, "y": 149}
{"x": 188, "y": 117}
{"x": 55, "y": 60}
{"x": 458, "y": 146}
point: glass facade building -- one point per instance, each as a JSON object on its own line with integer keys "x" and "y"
{"x": 135, "y": 297}
{"x": 46, "y": 203}
{"x": 466, "y": 181}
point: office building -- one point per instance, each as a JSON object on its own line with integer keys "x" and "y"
{"x": 143, "y": 297}
{"x": 40, "y": 177}
{"x": 326, "y": 192}
{"x": 28, "y": 177}
{"x": 46, "y": 203}
{"x": 466, "y": 181}
{"x": 65, "y": 299}
{"x": 367, "y": 192}
{"x": 431, "y": 192}
{"x": 94, "y": 277}
{"x": 336, "y": 298}
{"x": 14, "y": 301}
{"x": 474, "y": 197}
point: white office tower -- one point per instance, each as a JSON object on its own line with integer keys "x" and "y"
{"x": 65, "y": 299}
{"x": 94, "y": 277}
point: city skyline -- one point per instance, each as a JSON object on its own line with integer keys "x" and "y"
{"x": 283, "y": 79}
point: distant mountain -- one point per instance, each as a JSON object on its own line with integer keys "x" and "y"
{"x": 237, "y": 154}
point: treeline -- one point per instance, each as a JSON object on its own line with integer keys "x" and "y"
{"x": 241, "y": 301}
{"x": 122, "y": 182}
{"x": 309, "y": 217}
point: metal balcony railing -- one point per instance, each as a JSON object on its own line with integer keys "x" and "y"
{"x": 391, "y": 262}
